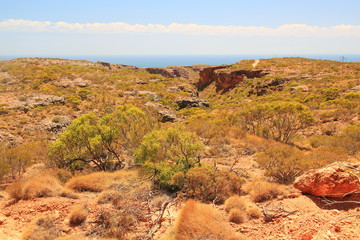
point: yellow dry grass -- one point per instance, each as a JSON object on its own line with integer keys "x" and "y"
{"x": 200, "y": 221}
{"x": 261, "y": 191}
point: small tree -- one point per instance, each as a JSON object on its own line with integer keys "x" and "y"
{"x": 168, "y": 151}
{"x": 101, "y": 141}
{"x": 277, "y": 120}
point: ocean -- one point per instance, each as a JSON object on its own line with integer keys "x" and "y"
{"x": 186, "y": 60}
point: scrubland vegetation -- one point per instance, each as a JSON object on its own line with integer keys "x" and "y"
{"x": 117, "y": 148}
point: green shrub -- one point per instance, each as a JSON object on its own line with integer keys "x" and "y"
{"x": 277, "y": 120}
{"x": 205, "y": 183}
{"x": 283, "y": 163}
{"x": 100, "y": 141}
{"x": 168, "y": 151}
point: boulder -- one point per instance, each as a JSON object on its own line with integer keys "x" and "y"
{"x": 191, "y": 102}
{"x": 335, "y": 180}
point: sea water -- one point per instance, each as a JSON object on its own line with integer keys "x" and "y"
{"x": 187, "y": 60}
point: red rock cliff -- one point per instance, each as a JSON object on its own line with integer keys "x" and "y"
{"x": 225, "y": 78}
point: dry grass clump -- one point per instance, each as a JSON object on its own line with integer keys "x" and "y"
{"x": 99, "y": 181}
{"x": 78, "y": 215}
{"x": 246, "y": 207}
{"x": 237, "y": 215}
{"x": 197, "y": 221}
{"x": 94, "y": 182}
{"x": 68, "y": 193}
{"x": 261, "y": 191}
{"x": 254, "y": 211}
{"x": 114, "y": 224}
{"x": 108, "y": 196}
{"x": 235, "y": 202}
{"x": 43, "y": 228}
{"x": 35, "y": 187}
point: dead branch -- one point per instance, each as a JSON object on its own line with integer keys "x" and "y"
{"x": 329, "y": 202}
{"x": 158, "y": 220}
{"x": 272, "y": 214}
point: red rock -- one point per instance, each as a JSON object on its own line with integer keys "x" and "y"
{"x": 334, "y": 180}
{"x": 337, "y": 229}
{"x": 225, "y": 78}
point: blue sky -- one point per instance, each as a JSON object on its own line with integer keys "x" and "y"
{"x": 109, "y": 27}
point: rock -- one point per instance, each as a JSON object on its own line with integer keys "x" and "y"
{"x": 130, "y": 93}
{"x": 168, "y": 73}
{"x": 191, "y": 102}
{"x": 301, "y": 88}
{"x": 334, "y": 180}
{"x": 152, "y": 95}
{"x": 181, "y": 88}
{"x": 57, "y": 123}
{"x": 9, "y": 139}
{"x": 355, "y": 89}
{"x": 78, "y": 82}
{"x": 26, "y": 103}
{"x": 225, "y": 78}
{"x": 166, "y": 115}
{"x": 104, "y": 64}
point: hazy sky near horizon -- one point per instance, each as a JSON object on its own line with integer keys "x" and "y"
{"x": 139, "y": 27}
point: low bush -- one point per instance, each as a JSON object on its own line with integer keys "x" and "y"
{"x": 114, "y": 224}
{"x": 283, "y": 163}
{"x": 43, "y": 228}
{"x": 237, "y": 215}
{"x": 94, "y": 182}
{"x": 78, "y": 215}
{"x": 235, "y": 202}
{"x": 108, "y": 196}
{"x": 36, "y": 187}
{"x": 261, "y": 191}
{"x": 197, "y": 221}
{"x": 207, "y": 184}
{"x": 253, "y": 211}
{"x": 100, "y": 181}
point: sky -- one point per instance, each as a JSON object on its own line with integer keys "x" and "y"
{"x": 172, "y": 27}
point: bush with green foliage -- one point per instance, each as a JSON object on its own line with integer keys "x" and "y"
{"x": 276, "y": 120}
{"x": 206, "y": 183}
{"x": 348, "y": 139}
{"x": 283, "y": 163}
{"x": 101, "y": 141}
{"x": 168, "y": 151}
{"x": 15, "y": 160}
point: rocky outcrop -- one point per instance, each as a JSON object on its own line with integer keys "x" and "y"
{"x": 57, "y": 123}
{"x": 191, "y": 102}
{"x": 104, "y": 64}
{"x": 9, "y": 139}
{"x": 181, "y": 88}
{"x": 225, "y": 78}
{"x": 335, "y": 180}
{"x": 190, "y": 73}
{"x": 354, "y": 89}
{"x": 78, "y": 82}
{"x": 260, "y": 88}
{"x": 26, "y": 103}
{"x": 165, "y": 114}
{"x": 168, "y": 73}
